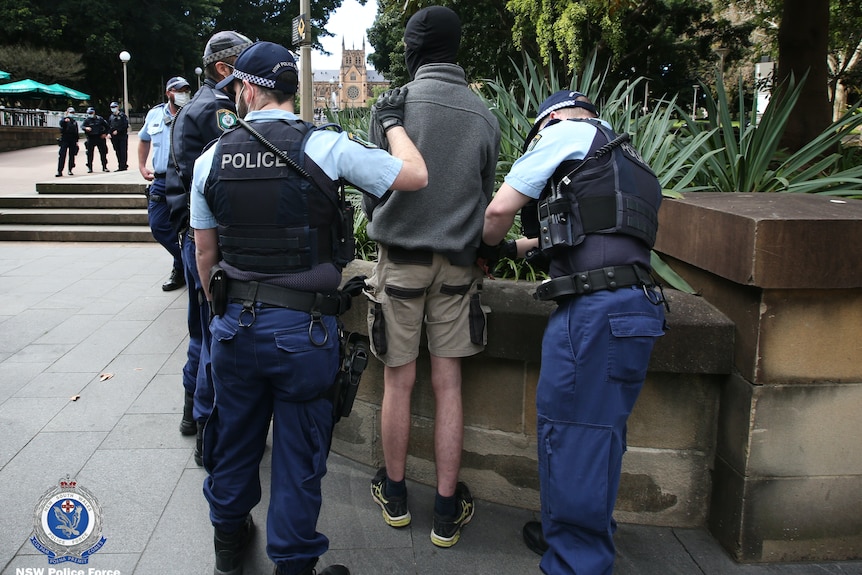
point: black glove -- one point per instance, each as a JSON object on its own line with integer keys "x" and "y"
{"x": 389, "y": 108}
{"x": 354, "y": 286}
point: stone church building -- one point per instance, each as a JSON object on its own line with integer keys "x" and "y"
{"x": 351, "y": 86}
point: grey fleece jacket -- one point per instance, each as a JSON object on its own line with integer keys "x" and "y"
{"x": 460, "y": 141}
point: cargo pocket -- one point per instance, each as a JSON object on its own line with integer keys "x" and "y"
{"x": 378, "y": 329}
{"x": 575, "y": 487}
{"x": 633, "y": 336}
{"x": 223, "y": 328}
{"x": 478, "y": 322}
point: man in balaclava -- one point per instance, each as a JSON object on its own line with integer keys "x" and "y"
{"x": 427, "y": 242}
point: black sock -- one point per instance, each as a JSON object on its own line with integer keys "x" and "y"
{"x": 445, "y": 506}
{"x": 395, "y": 488}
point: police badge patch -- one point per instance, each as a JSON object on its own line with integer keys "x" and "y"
{"x": 226, "y": 119}
{"x": 533, "y": 142}
{"x": 68, "y": 523}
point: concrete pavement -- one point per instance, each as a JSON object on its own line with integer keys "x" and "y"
{"x": 91, "y": 353}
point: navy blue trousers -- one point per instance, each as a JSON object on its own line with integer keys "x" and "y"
{"x": 159, "y": 216}
{"x": 595, "y": 354}
{"x": 268, "y": 369}
{"x": 196, "y": 372}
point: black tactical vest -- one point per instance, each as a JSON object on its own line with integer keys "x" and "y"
{"x": 270, "y": 218}
{"x": 610, "y": 191}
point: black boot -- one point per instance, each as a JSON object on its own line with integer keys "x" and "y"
{"x": 176, "y": 281}
{"x": 230, "y": 548}
{"x": 534, "y": 538}
{"x": 187, "y": 424}
{"x": 199, "y": 444}
{"x": 331, "y": 570}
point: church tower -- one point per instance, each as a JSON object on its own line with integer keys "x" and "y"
{"x": 354, "y": 77}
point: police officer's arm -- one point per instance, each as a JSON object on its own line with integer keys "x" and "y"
{"x": 206, "y": 255}
{"x": 414, "y": 173}
{"x": 143, "y": 153}
{"x": 500, "y": 215}
{"x": 389, "y": 112}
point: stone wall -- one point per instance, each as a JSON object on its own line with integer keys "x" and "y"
{"x": 20, "y": 137}
{"x": 786, "y": 269}
{"x": 672, "y": 431}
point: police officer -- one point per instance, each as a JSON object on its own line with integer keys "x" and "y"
{"x": 96, "y": 130}
{"x": 268, "y": 202}
{"x": 118, "y": 125}
{"x": 599, "y": 339}
{"x": 156, "y": 132}
{"x": 68, "y": 141}
{"x": 201, "y": 121}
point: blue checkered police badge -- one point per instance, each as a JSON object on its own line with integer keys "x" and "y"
{"x": 68, "y": 523}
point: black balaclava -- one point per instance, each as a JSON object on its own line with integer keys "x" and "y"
{"x": 432, "y": 35}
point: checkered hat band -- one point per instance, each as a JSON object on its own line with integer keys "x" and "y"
{"x": 558, "y": 106}
{"x": 226, "y": 53}
{"x": 254, "y": 79}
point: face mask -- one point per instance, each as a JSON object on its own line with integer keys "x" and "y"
{"x": 181, "y": 99}
{"x": 91, "y": 114}
{"x": 115, "y": 110}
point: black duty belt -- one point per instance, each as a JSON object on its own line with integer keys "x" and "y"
{"x": 580, "y": 283}
{"x": 273, "y": 295}
{"x": 160, "y": 175}
{"x": 155, "y": 198}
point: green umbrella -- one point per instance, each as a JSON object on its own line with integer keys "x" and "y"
{"x": 29, "y": 87}
{"x": 70, "y": 92}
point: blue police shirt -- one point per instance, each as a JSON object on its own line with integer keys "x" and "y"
{"x": 157, "y": 130}
{"x": 553, "y": 145}
{"x": 372, "y": 169}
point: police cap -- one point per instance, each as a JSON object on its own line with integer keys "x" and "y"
{"x": 224, "y": 45}
{"x": 265, "y": 64}
{"x": 558, "y": 101}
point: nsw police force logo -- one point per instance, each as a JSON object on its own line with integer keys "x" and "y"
{"x": 68, "y": 523}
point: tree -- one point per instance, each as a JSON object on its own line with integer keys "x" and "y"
{"x": 669, "y": 42}
{"x": 845, "y": 52}
{"x": 803, "y": 41}
{"x": 166, "y": 38}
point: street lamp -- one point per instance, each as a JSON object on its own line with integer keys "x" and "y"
{"x": 198, "y": 72}
{"x": 722, "y": 54}
{"x": 124, "y": 58}
{"x": 694, "y": 102}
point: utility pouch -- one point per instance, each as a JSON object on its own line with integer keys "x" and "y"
{"x": 346, "y": 250}
{"x": 218, "y": 290}
{"x": 555, "y": 230}
{"x": 354, "y": 360}
{"x": 477, "y": 320}
{"x": 378, "y": 329}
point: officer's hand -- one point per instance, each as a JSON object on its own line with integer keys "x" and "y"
{"x": 354, "y": 286}
{"x": 389, "y": 108}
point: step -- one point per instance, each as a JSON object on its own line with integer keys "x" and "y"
{"x": 116, "y": 201}
{"x": 89, "y": 186}
{"x": 42, "y": 233}
{"x": 74, "y": 216}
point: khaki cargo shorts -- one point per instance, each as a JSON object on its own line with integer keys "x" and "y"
{"x": 412, "y": 286}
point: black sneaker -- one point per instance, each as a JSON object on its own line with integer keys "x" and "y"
{"x": 395, "y": 512}
{"x": 447, "y": 530}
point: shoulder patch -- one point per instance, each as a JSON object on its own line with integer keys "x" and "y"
{"x": 534, "y": 141}
{"x": 226, "y": 119}
{"x": 353, "y": 137}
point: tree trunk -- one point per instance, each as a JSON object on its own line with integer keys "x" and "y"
{"x": 803, "y": 42}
